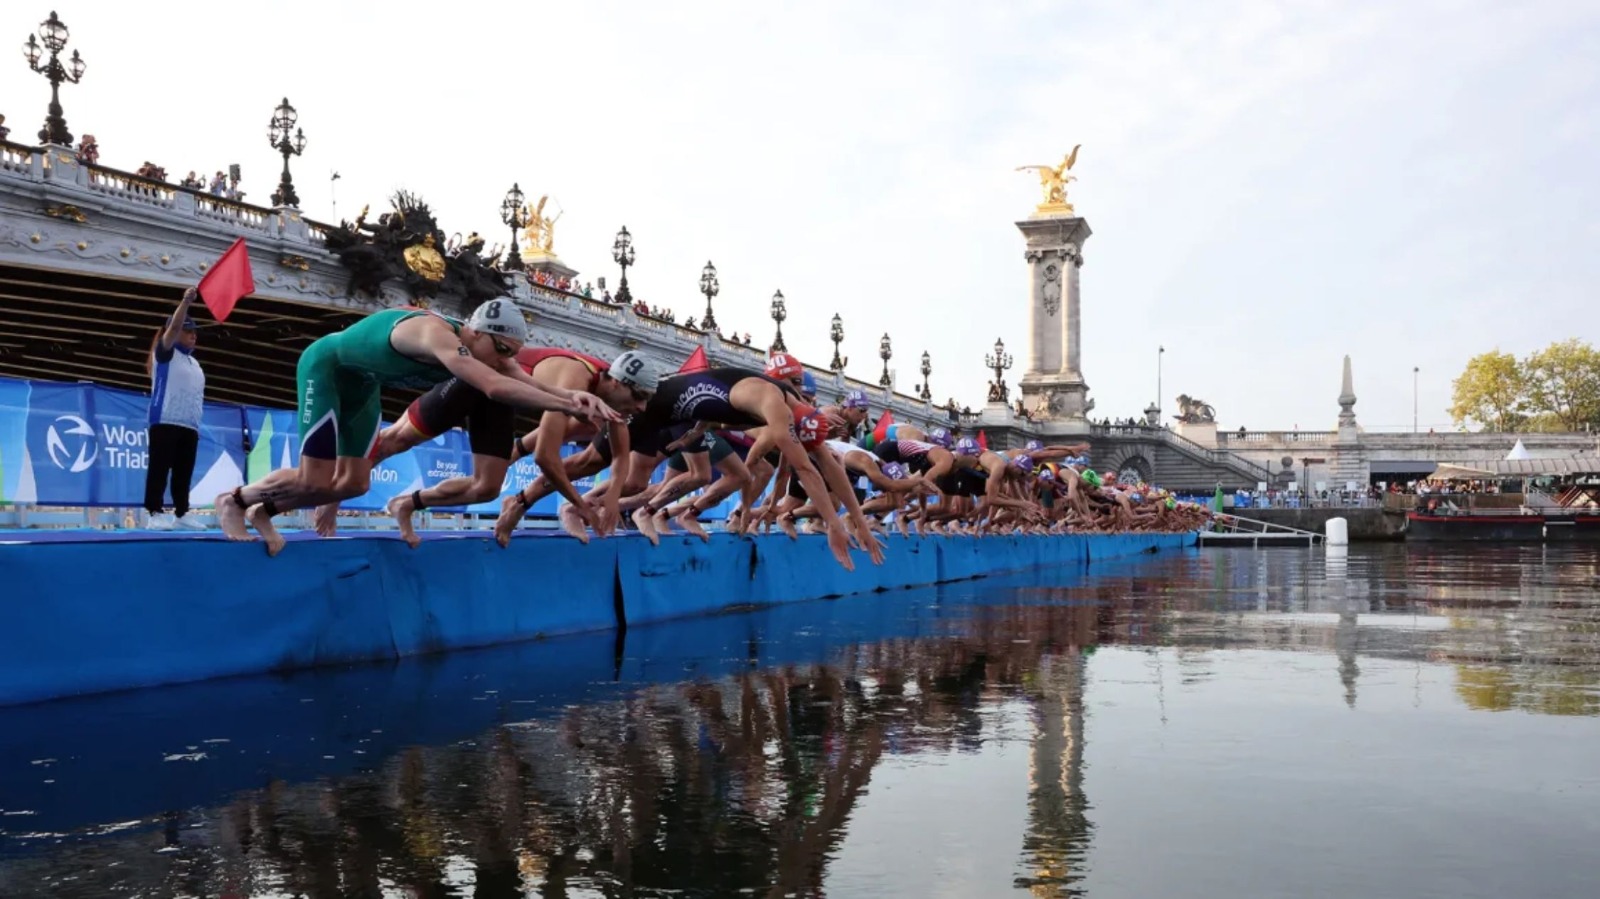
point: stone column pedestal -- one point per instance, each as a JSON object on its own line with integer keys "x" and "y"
{"x": 1054, "y": 389}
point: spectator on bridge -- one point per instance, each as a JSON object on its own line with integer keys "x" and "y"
{"x": 88, "y": 150}
{"x": 177, "y": 402}
{"x": 3, "y": 129}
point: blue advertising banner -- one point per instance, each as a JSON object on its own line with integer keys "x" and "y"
{"x": 85, "y": 445}
{"x": 82, "y": 445}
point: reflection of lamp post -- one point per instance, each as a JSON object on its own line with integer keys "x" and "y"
{"x": 289, "y": 144}
{"x": 622, "y": 254}
{"x": 779, "y": 312}
{"x": 55, "y": 35}
{"x": 836, "y": 334}
{"x": 511, "y": 214}
{"x": 927, "y": 369}
{"x": 709, "y": 287}
{"x": 1000, "y": 363}
{"x": 885, "y": 352}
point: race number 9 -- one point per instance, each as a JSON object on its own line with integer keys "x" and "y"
{"x": 634, "y": 365}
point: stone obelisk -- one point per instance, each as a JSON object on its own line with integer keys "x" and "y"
{"x": 1053, "y": 389}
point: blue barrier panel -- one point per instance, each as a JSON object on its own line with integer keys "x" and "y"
{"x": 185, "y": 608}
{"x": 67, "y": 630}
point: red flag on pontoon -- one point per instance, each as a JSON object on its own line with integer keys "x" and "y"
{"x": 228, "y": 282}
{"x": 695, "y": 362}
{"x": 983, "y": 441}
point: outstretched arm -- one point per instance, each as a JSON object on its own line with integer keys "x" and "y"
{"x": 174, "y": 328}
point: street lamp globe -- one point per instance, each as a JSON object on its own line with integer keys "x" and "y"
{"x": 54, "y": 33}
{"x": 33, "y": 52}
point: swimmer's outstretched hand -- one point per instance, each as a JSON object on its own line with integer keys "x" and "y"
{"x": 839, "y": 543}
{"x": 587, "y": 405}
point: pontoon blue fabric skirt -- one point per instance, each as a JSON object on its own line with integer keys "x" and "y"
{"x": 84, "y": 612}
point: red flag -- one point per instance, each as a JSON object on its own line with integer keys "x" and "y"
{"x": 983, "y": 441}
{"x": 228, "y": 282}
{"x": 881, "y": 432}
{"x": 695, "y": 362}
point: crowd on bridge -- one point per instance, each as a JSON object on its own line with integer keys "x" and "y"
{"x": 715, "y": 433}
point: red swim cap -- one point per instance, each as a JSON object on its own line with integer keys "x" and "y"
{"x": 783, "y": 366}
{"x": 809, "y": 427}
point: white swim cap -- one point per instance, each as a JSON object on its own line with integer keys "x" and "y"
{"x": 501, "y": 318}
{"x": 636, "y": 370}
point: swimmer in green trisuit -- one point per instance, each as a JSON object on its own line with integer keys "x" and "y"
{"x": 341, "y": 377}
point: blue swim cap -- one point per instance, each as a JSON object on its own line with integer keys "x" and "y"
{"x": 939, "y": 437}
{"x": 855, "y": 399}
{"x": 894, "y": 470}
{"x": 966, "y": 446}
{"x": 808, "y": 384}
{"x": 1033, "y": 446}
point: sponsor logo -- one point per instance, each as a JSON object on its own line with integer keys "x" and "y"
{"x": 71, "y": 444}
{"x": 690, "y": 401}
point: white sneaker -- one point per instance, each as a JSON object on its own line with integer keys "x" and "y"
{"x": 161, "y": 521}
{"x": 190, "y": 522}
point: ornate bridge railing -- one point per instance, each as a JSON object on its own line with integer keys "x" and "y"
{"x": 34, "y": 177}
{"x": 1258, "y": 439}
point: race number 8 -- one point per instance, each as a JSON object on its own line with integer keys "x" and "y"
{"x": 493, "y": 311}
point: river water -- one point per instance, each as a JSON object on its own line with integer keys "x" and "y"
{"x": 1389, "y": 721}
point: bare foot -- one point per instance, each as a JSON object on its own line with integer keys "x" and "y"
{"x": 326, "y": 519}
{"x": 786, "y": 524}
{"x": 512, "y": 508}
{"x": 572, "y": 523}
{"x": 646, "y": 523}
{"x": 691, "y": 523}
{"x": 262, "y": 522}
{"x": 663, "y": 522}
{"x": 400, "y": 507}
{"x": 230, "y": 517}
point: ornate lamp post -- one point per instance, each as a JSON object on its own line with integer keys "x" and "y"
{"x": 290, "y": 141}
{"x": 779, "y": 313}
{"x": 54, "y": 34}
{"x": 1000, "y": 362}
{"x": 622, "y": 254}
{"x": 511, "y": 213}
{"x": 836, "y": 334}
{"x": 885, "y": 352}
{"x": 927, "y": 369}
{"x": 710, "y": 287}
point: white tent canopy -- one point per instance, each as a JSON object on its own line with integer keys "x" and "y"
{"x": 1519, "y": 452}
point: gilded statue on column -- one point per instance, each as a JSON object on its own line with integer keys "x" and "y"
{"x": 540, "y": 234}
{"x": 1054, "y": 178}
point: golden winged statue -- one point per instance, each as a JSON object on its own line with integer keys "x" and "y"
{"x": 540, "y": 233}
{"x": 1054, "y": 178}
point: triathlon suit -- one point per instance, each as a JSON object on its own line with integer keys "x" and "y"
{"x": 341, "y": 377}
{"x": 913, "y": 454}
{"x": 490, "y": 426}
{"x": 713, "y": 443}
{"x": 844, "y": 449}
{"x": 693, "y": 397}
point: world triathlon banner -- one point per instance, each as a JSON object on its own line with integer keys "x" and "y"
{"x": 84, "y": 445}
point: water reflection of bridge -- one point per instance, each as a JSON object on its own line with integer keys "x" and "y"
{"x": 748, "y": 782}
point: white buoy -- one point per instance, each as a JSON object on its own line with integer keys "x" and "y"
{"x": 1338, "y": 532}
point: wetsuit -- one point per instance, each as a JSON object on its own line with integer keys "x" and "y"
{"x": 490, "y": 426}
{"x": 341, "y": 376}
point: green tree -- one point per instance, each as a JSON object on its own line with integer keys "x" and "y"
{"x": 1563, "y": 381}
{"x": 1492, "y": 392}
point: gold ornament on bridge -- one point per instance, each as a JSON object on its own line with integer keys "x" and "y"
{"x": 540, "y": 234}
{"x": 423, "y": 259}
{"x": 1054, "y": 181}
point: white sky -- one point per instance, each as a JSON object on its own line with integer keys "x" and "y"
{"x": 1271, "y": 185}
